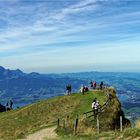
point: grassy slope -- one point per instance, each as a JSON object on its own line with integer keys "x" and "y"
{"x": 19, "y": 122}
{"x": 127, "y": 134}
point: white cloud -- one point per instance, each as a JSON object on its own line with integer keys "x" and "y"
{"x": 82, "y": 6}
{"x": 35, "y": 28}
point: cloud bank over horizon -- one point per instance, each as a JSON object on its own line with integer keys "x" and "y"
{"x": 69, "y": 36}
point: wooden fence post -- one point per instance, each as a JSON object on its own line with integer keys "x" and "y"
{"x": 75, "y": 125}
{"x": 98, "y": 129}
{"x": 120, "y": 123}
{"x": 58, "y": 122}
{"x": 67, "y": 120}
{"x": 64, "y": 124}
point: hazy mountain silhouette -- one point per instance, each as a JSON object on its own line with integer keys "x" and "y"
{"x": 26, "y": 88}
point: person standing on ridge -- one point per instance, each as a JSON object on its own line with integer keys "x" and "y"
{"x": 11, "y": 104}
{"x": 82, "y": 89}
{"x": 94, "y": 85}
{"x": 91, "y": 85}
{"x": 67, "y": 89}
{"x": 101, "y": 85}
{"x": 70, "y": 89}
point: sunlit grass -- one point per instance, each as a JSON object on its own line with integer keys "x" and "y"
{"x": 25, "y": 120}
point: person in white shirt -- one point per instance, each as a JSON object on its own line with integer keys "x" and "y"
{"x": 95, "y": 105}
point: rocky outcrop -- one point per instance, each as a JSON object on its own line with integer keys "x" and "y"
{"x": 111, "y": 116}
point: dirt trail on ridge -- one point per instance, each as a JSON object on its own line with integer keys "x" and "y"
{"x": 46, "y": 133}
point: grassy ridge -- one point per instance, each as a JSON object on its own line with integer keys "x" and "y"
{"x": 18, "y": 123}
{"x": 109, "y": 119}
{"x": 23, "y": 121}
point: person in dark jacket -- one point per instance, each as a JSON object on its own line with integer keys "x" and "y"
{"x": 11, "y": 104}
{"x": 101, "y": 85}
{"x": 69, "y": 89}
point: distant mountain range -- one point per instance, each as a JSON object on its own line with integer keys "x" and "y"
{"x": 26, "y": 88}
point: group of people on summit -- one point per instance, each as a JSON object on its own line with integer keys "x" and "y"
{"x": 9, "y": 107}
{"x": 93, "y": 86}
{"x": 84, "y": 88}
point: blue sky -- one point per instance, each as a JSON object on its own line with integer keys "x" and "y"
{"x": 70, "y": 35}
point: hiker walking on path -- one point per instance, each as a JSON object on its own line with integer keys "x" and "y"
{"x": 11, "y": 104}
{"x": 95, "y": 105}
